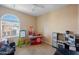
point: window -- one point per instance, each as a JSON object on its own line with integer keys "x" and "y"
{"x": 10, "y": 26}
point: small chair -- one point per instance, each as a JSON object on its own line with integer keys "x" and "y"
{"x": 13, "y": 45}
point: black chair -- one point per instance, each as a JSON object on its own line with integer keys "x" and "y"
{"x": 9, "y": 49}
{"x": 77, "y": 44}
{"x": 13, "y": 45}
{"x": 64, "y": 51}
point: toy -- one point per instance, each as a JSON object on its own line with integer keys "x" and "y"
{"x": 35, "y": 38}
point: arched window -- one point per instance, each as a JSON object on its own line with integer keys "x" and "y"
{"x": 10, "y": 26}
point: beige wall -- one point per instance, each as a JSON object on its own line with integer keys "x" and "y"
{"x": 0, "y": 31}
{"x": 58, "y": 21}
{"x": 78, "y": 19}
{"x": 25, "y": 20}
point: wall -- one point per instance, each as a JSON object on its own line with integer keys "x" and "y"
{"x": 78, "y": 19}
{"x": 0, "y": 30}
{"x": 59, "y": 20}
{"x": 25, "y": 20}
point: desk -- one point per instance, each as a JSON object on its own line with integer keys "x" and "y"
{"x": 66, "y": 52}
{"x": 67, "y": 45}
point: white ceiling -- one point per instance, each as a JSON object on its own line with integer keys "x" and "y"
{"x": 34, "y": 9}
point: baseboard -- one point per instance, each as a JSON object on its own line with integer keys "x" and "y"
{"x": 47, "y": 43}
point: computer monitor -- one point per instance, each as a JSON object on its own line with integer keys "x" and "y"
{"x": 61, "y": 37}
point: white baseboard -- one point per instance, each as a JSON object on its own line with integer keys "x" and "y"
{"x": 47, "y": 43}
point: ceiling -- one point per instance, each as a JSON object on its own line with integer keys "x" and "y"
{"x": 34, "y": 9}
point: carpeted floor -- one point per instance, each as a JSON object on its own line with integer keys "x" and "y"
{"x": 42, "y": 49}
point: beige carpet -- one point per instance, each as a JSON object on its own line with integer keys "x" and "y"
{"x": 42, "y": 49}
